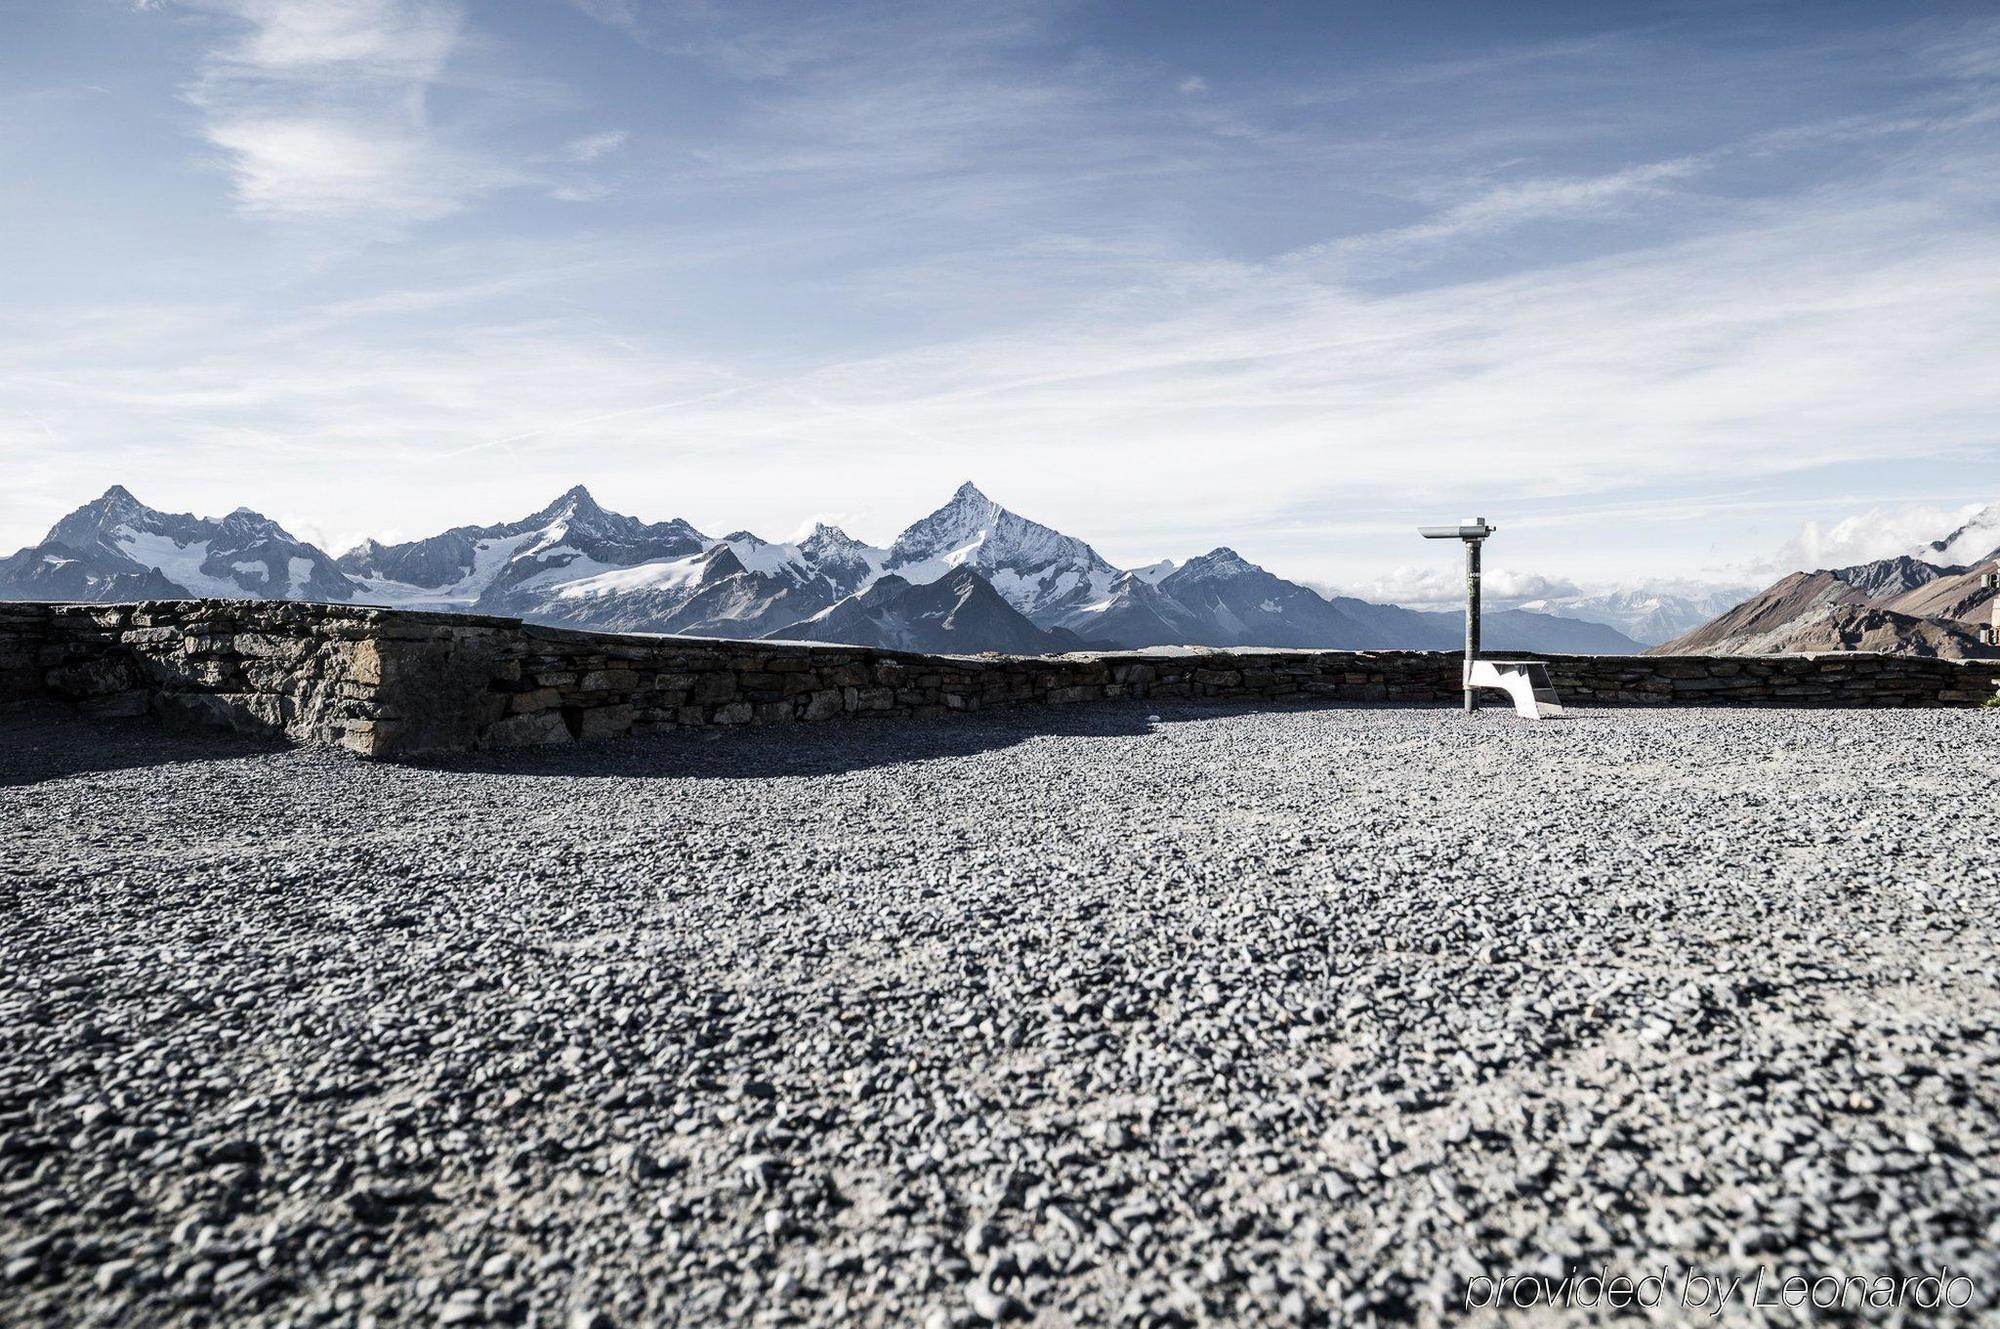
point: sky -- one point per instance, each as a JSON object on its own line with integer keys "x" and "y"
{"x": 1670, "y": 292}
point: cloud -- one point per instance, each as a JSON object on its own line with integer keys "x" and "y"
{"x": 1878, "y": 533}
{"x": 1192, "y": 85}
{"x": 1442, "y": 585}
{"x": 590, "y": 147}
{"x": 324, "y": 168}
{"x": 321, "y": 110}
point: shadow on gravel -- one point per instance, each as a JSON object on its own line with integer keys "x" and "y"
{"x": 38, "y": 745}
{"x": 828, "y": 748}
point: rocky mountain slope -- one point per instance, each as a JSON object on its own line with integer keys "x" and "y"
{"x": 971, "y": 576}
{"x": 1907, "y": 604}
{"x": 508, "y": 566}
{"x": 959, "y": 613}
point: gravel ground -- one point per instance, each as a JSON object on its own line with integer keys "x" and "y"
{"x": 1087, "y": 1016}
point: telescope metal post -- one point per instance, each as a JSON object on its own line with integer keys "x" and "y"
{"x": 1471, "y": 620}
{"x": 1473, "y": 531}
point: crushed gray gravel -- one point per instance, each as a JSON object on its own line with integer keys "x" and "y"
{"x": 1099, "y": 1015}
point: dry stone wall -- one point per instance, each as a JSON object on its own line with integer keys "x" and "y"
{"x": 389, "y": 683}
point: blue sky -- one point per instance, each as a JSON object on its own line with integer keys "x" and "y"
{"x": 1653, "y": 286}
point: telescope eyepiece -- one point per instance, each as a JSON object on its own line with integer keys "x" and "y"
{"x": 1472, "y": 528}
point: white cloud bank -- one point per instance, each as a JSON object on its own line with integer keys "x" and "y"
{"x": 321, "y": 109}
{"x": 1863, "y": 537}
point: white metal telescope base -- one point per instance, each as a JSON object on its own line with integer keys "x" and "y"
{"x": 1526, "y": 681}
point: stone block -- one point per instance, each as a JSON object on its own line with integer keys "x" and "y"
{"x": 101, "y": 677}
{"x": 364, "y": 737}
{"x": 245, "y": 712}
{"x": 270, "y": 646}
{"x": 711, "y": 688}
{"x": 602, "y": 721}
{"x": 736, "y": 712}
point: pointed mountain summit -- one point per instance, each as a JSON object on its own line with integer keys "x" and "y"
{"x": 1040, "y": 571}
{"x": 574, "y": 504}
{"x": 848, "y": 563}
{"x": 114, "y": 507}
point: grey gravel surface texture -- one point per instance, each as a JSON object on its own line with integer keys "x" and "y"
{"x": 1092, "y": 1016}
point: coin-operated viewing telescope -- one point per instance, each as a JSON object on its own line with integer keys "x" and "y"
{"x": 1473, "y": 530}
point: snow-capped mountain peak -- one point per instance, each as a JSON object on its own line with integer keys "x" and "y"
{"x": 768, "y": 557}
{"x": 849, "y": 564}
{"x": 828, "y": 541}
{"x": 116, "y": 546}
{"x": 1040, "y": 571}
{"x": 114, "y": 506}
{"x": 574, "y": 502}
{"x": 510, "y": 566}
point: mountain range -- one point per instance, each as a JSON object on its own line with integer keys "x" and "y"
{"x": 970, "y": 577}
{"x": 1651, "y": 615}
{"x": 1909, "y": 604}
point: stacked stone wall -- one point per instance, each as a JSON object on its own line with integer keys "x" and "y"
{"x": 392, "y": 683}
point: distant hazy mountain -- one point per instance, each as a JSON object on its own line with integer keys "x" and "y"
{"x": 1646, "y": 616}
{"x": 117, "y": 548}
{"x": 971, "y": 576}
{"x": 1237, "y": 603}
{"x": 1523, "y": 630}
